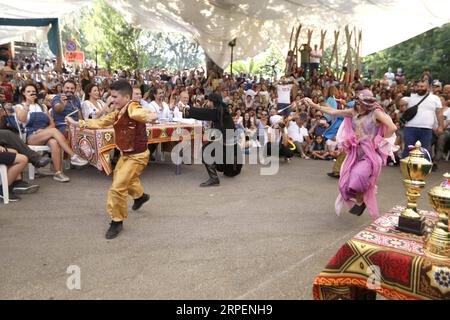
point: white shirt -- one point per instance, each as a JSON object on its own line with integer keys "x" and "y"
{"x": 316, "y": 55}
{"x": 162, "y": 114}
{"x": 426, "y": 113}
{"x": 284, "y": 93}
{"x": 297, "y": 133}
{"x": 294, "y": 131}
{"x": 250, "y": 92}
{"x": 332, "y": 145}
{"x": 303, "y": 133}
{"x": 446, "y": 117}
{"x": 275, "y": 119}
{"x": 31, "y": 108}
{"x": 265, "y": 94}
{"x": 177, "y": 114}
{"x": 89, "y": 109}
{"x": 390, "y": 76}
{"x": 144, "y": 104}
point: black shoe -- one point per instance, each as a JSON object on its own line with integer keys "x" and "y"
{"x": 333, "y": 175}
{"x": 435, "y": 167}
{"x": 23, "y": 187}
{"x": 140, "y": 201}
{"x": 12, "y": 197}
{"x": 358, "y": 209}
{"x": 210, "y": 183}
{"x": 114, "y": 229}
{"x": 42, "y": 162}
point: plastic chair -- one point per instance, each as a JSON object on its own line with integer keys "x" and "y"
{"x": 35, "y": 148}
{"x": 4, "y": 180}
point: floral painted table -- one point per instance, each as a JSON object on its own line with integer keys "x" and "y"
{"x": 383, "y": 260}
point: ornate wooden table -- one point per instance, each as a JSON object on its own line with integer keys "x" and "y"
{"x": 383, "y": 260}
{"x": 95, "y": 144}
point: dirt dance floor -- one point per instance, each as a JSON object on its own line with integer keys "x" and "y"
{"x": 254, "y": 237}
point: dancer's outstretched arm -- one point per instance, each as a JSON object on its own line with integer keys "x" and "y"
{"x": 328, "y": 110}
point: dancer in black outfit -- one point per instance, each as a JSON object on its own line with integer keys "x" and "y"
{"x": 217, "y": 112}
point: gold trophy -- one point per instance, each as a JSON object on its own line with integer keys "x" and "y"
{"x": 437, "y": 244}
{"x": 415, "y": 169}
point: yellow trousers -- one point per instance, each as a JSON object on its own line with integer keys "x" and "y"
{"x": 126, "y": 182}
{"x": 338, "y": 164}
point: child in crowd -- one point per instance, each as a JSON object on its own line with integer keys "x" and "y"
{"x": 318, "y": 149}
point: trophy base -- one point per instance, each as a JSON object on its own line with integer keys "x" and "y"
{"x": 437, "y": 245}
{"x": 410, "y": 225}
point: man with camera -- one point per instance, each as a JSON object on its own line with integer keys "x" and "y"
{"x": 279, "y": 140}
{"x": 65, "y": 104}
{"x": 320, "y": 125}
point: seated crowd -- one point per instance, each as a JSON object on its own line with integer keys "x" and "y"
{"x": 266, "y": 113}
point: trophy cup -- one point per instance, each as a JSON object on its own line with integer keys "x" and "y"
{"x": 437, "y": 244}
{"x": 415, "y": 169}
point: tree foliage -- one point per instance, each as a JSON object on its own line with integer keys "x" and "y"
{"x": 429, "y": 51}
{"x": 100, "y": 29}
{"x": 268, "y": 64}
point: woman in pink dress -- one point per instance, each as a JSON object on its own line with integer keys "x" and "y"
{"x": 367, "y": 136}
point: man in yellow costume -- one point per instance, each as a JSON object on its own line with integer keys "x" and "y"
{"x": 128, "y": 120}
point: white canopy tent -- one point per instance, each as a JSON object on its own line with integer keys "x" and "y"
{"x": 254, "y": 23}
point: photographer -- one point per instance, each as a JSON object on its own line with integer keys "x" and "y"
{"x": 320, "y": 126}
{"x": 278, "y": 137}
{"x": 64, "y": 104}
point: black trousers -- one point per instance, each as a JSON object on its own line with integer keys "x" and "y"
{"x": 210, "y": 168}
{"x": 12, "y": 140}
{"x": 283, "y": 151}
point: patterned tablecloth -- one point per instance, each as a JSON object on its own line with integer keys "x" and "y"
{"x": 95, "y": 144}
{"x": 383, "y": 260}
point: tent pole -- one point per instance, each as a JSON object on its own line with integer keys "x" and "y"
{"x": 59, "y": 57}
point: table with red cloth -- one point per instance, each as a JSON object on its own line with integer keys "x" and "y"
{"x": 383, "y": 260}
{"x": 95, "y": 144}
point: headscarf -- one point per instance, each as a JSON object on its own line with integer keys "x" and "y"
{"x": 367, "y": 100}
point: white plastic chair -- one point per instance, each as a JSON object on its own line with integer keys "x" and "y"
{"x": 31, "y": 169}
{"x": 4, "y": 180}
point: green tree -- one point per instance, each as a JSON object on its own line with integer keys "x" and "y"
{"x": 172, "y": 50}
{"x": 428, "y": 51}
{"x": 100, "y": 29}
{"x": 266, "y": 64}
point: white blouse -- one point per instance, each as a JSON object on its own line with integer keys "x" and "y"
{"x": 89, "y": 110}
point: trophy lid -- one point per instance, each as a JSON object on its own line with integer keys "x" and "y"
{"x": 417, "y": 152}
{"x": 443, "y": 190}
